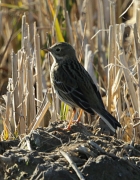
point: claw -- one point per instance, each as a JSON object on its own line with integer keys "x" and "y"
{"x": 68, "y": 128}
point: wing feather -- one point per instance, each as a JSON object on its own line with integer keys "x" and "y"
{"x": 72, "y": 96}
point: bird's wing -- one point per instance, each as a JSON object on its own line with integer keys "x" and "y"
{"x": 76, "y": 87}
{"x": 72, "y": 95}
{"x": 86, "y": 86}
{"x": 94, "y": 88}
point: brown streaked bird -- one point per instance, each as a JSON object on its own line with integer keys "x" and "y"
{"x": 75, "y": 86}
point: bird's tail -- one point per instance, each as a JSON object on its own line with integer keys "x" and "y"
{"x": 109, "y": 119}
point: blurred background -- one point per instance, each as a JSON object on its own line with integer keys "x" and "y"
{"x": 105, "y": 36}
{"x": 79, "y": 20}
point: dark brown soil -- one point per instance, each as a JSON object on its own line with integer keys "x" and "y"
{"x": 41, "y": 155}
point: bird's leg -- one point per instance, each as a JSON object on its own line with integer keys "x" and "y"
{"x": 71, "y": 120}
{"x": 79, "y": 117}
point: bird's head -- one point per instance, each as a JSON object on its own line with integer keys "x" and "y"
{"x": 61, "y": 51}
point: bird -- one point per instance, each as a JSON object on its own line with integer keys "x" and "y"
{"x": 74, "y": 85}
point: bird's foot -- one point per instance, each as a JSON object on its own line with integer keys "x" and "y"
{"x": 76, "y": 121}
{"x": 68, "y": 128}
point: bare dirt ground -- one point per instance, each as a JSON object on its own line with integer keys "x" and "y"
{"x": 52, "y": 153}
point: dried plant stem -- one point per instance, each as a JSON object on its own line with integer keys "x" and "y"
{"x": 73, "y": 165}
{"x": 112, "y": 12}
{"x": 15, "y": 87}
{"x": 137, "y": 51}
{"x": 89, "y": 57}
{"x": 110, "y": 70}
{"x": 31, "y": 89}
{"x": 101, "y": 35}
{"x": 137, "y": 54}
{"x": 38, "y": 71}
{"x": 69, "y": 28}
{"x": 128, "y": 80}
{"x": 112, "y": 52}
{"x": 8, "y": 105}
{"x": 38, "y": 6}
{"x": 23, "y": 29}
{"x": 39, "y": 118}
{"x": 21, "y": 88}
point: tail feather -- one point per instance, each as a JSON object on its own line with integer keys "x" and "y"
{"x": 109, "y": 119}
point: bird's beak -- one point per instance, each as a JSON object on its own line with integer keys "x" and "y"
{"x": 46, "y": 49}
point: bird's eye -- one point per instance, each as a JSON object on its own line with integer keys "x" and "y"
{"x": 58, "y": 49}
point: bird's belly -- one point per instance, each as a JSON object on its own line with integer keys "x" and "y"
{"x": 65, "y": 99}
